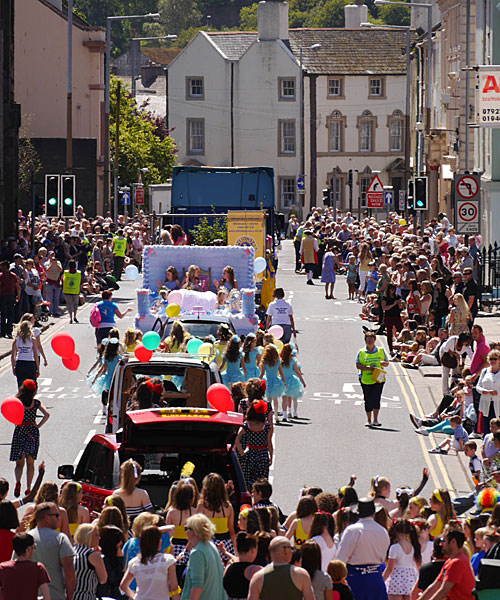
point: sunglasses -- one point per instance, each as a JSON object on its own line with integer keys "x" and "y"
{"x": 53, "y": 515}
{"x": 188, "y": 528}
{"x": 286, "y": 546}
{"x": 493, "y": 359}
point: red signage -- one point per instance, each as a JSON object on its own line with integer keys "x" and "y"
{"x": 139, "y": 194}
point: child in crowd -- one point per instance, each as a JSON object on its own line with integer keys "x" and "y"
{"x": 338, "y": 573}
{"x": 475, "y": 465}
{"x": 479, "y": 544}
{"x": 295, "y": 383}
{"x": 235, "y": 369}
{"x": 457, "y": 442}
{"x": 352, "y": 274}
{"x": 369, "y": 310}
{"x": 272, "y": 373}
{"x": 488, "y": 450}
{"x": 404, "y": 558}
{"x": 130, "y": 340}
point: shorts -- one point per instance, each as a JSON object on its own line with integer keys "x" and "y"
{"x": 455, "y": 444}
{"x": 72, "y": 301}
{"x": 372, "y": 392}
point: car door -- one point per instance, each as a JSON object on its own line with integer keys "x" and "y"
{"x": 96, "y": 473}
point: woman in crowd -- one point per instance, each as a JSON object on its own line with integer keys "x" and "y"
{"x": 9, "y": 522}
{"x": 112, "y": 515}
{"x": 88, "y": 563}
{"x": 238, "y": 574}
{"x": 392, "y": 306}
{"x": 177, "y": 339}
{"x": 489, "y": 388}
{"x": 460, "y": 317}
{"x": 372, "y": 384}
{"x": 26, "y": 437}
{"x": 300, "y": 527}
{"x": 443, "y": 513}
{"x": 178, "y": 512}
{"x": 441, "y": 302}
{"x": 48, "y": 492}
{"x": 136, "y": 500}
{"x": 70, "y": 498}
{"x": 413, "y": 303}
{"x": 36, "y": 334}
{"x": 111, "y": 543}
{"x": 311, "y": 562}
{"x": 214, "y": 504}
{"x": 322, "y": 532}
{"x": 24, "y": 356}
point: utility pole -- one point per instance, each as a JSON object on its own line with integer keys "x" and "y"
{"x": 69, "y": 92}
{"x": 117, "y": 149}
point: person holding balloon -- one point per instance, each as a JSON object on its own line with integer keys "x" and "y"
{"x": 24, "y": 354}
{"x": 108, "y": 310}
{"x": 26, "y": 437}
{"x": 235, "y": 368}
{"x": 280, "y": 312}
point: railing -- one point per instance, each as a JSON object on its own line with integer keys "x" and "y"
{"x": 489, "y": 276}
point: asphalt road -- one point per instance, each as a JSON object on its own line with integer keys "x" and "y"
{"x": 324, "y": 448}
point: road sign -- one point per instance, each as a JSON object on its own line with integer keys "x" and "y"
{"x": 467, "y": 216}
{"x": 375, "y": 193}
{"x": 139, "y": 194}
{"x": 126, "y": 198}
{"x": 401, "y": 200}
{"x": 488, "y": 96}
{"x": 467, "y": 186}
{"x": 388, "y": 197}
{"x": 301, "y": 184}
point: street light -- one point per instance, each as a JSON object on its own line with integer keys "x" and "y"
{"x": 302, "y": 129}
{"x": 132, "y": 53}
{"x": 109, "y": 21}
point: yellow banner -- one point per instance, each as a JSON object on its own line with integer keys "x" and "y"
{"x": 247, "y": 228}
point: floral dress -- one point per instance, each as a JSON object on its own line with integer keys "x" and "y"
{"x": 26, "y": 438}
{"x": 460, "y": 322}
{"x": 255, "y": 463}
{"x": 328, "y": 268}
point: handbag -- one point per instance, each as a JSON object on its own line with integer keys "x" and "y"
{"x": 449, "y": 360}
{"x": 470, "y": 413}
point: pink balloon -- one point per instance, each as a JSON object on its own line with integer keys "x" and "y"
{"x": 63, "y": 345}
{"x": 142, "y": 354}
{"x": 175, "y": 297}
{"x": 13, "y": 410}
{"x": 276, "y": 331}
{"x": 219, "y": 397}
{"x": 72, "y": 363}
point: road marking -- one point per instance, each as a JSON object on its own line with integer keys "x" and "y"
{"x": 90, "y": 435}
{"x": 78, "y": 456}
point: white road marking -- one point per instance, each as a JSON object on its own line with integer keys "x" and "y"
{"x": 78, "y": 456}
{"x": 90, "y": 435}
{"x": 348, "y": 388}
{"x": 44, "y": 381}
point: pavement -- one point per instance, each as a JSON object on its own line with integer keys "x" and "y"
{"x": 324, "y": 447}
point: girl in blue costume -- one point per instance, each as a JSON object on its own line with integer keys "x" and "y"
{"x": 295, "y": 383}
{"x": 251, "y": 354}
{"x": 271, "y": 372}
{"x": 102, "y": 380}
{"x": 235, "y": 369}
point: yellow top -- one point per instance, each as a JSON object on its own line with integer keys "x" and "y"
{"x": 438, "y": 527}
{"x": 300, "y": 535}
{"x": 220, "y": 524}
{"x": 72, "y": 528}
{"x": 179, "y": 533}
{"x": 131, "y": 347}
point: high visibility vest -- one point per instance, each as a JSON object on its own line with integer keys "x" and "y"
{"x": 119, "y": 246}
{"x": 71, "y": 282}
{"x": 370, "y": 359}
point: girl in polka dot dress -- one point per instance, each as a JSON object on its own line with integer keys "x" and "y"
{"x": 26, "y": 438}
{"x": 404, "y": 560}
{"x": 258, "y": 454}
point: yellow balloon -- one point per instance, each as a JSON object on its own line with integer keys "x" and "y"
{"x": 205, "y": 349}
{"x": 278, "y": 344}
{"x": 173, "y": 310}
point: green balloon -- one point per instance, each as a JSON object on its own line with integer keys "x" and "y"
{"x": 151, "y": 340}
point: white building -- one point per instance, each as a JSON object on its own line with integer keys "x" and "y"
{"x": 234, "y": 98}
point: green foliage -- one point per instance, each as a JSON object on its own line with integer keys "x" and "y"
{"x": 394, "y": 15}
{"x": 178, "y": 15}
{"x": 248, "y": 18}
{"x": 327, "y": 14}
{"x": 204, "y": 234}
{"x": 140, "y": 144}
{"x": 29, "y": 159}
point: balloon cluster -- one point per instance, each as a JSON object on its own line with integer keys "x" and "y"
{"x": 64, "y": 346}
{"x": 150, "y": 342}
{"x": 174, "y": 304}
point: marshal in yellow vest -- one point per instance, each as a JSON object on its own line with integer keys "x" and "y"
{"x": 119, "y": 246}
{"x": 370, "y": 359}
{"x": 71, "y": 282}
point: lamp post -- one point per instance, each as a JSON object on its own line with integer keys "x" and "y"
{"x": 302, "y": 165}
{"x": 107, "y": 67}
{"x": 132, "y": 53}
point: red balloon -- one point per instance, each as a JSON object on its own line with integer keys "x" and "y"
{"x": 72, "y": 363}
{"x": 142, "y": 354}
{"x": 63, "y": 345}
{"x": 219, "y": 397}
{"x": 13, "y": 410}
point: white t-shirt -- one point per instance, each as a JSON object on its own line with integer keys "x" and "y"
{"x": 280, "y": 310}
{"x": 327, "y": 554}
{"x": 427, "y": 552}
{"x": 25, "y": 349}
{"x": 152, "y": 577}
{"x": 402, "y": 559}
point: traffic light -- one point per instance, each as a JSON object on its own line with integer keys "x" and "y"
{"x": 39, "y": 205}
{"x": 326, "y": 196}
{"x": 421, "y": 193}
{"x": 410, "y": 196}
{"x": 52, "y": 195}
{"x": 68, "y": 195}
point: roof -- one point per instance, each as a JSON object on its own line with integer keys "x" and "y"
{"x": 351, "y": 51}
{"x": 233, "y": 44}
{"x": 161, "y": 56}
{"x": 207, "y": 415}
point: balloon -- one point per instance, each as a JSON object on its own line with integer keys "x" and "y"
{"x": 13, "y": 410}
{"x": 72, "y": 363}
{"x": 173, "y": 310}
{"x": 259, "y": 265}
{"x": 163, "y": 345}
{"x": 193, "y": 345}
{"x": 279, "y": 345}
{"x": 132, "y": 272}
{"x": 63, "y": 345}
{"x": 151, "y": 340}
{"x": 142, "y": 354}
{"x": 175, "y": 297}
{"x": 276, "y": 331}
{"x": 219, "y": 397}
{"x": 206, "y": 349}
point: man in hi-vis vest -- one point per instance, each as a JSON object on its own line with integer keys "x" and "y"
{"x": 72, "y": 281}
{"x": 119, "y": 250}
{"x": 308, "y": 251}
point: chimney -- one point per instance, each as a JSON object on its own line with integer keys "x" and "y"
{"x": 355, "y": 14}
{"x": 272, "y": 20}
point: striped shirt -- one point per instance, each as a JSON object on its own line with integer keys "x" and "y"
{"x": 86, "y": 577}
{"x": 133, "y": 511}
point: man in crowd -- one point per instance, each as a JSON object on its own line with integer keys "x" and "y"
{"x": 9, "y": 295}
{"x": 280, "y": 312}
{"x": 471, "y": 292}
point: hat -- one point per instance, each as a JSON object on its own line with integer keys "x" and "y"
{"x": 51, "y": 253}
{"x": 366, "y": 507}
{"x": 17, "y": 255}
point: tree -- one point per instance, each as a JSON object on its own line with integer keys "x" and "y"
{"x": 248, "y": 18}
{"x": 29, "y": 160}
{"x": 177, "y": 15}
{"x": 327, "y": 14}
{"x": 204, "y": 234}
{"x": 394, "y": 15}
{"x": 144, "y": 142}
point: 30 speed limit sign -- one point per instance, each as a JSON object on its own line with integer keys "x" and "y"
{"x": 467, "y": 216}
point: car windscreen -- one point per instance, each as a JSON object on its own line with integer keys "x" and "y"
{"x": 199, "y": 329}
{"x": 173, "y": 376}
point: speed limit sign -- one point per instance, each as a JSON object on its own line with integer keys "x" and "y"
{"x": 467, "y": 216}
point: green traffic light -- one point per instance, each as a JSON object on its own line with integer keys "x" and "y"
{"x": 52, "y": 201}
{"x": 68, "y": 201}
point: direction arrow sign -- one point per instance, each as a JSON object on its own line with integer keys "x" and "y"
{"x": 125, "y": 198}
{"x": 300, "y": 183}
{"x": 388, "y": 196}
{"x": 375, "y": 193}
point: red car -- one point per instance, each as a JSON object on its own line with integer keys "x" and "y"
{"x": 161, "y": 440}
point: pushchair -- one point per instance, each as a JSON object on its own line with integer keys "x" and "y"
{"x": 43, "y": 317}
{"x": 106, "y": 282}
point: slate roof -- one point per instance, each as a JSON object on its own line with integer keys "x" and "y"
{"x": 233, "y": 44}
{"x": 351, "y": 51}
